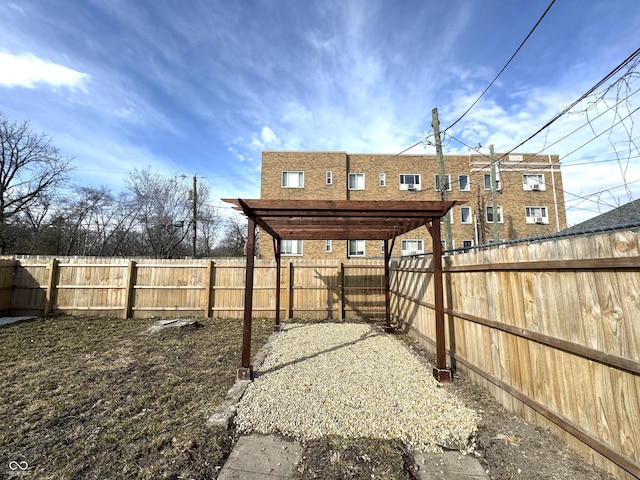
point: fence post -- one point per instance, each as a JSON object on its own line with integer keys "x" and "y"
{"x": 129, "y": 288}
{"x": 341, "y": 284}
{"x": 209, "y": 286}
{"x": 290, "y": 290}
{"x": 51, "y": 285}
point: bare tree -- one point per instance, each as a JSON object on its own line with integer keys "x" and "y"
{"x": 120, "y": 230}
{"x": 31, "y": 166}
{"x": 209, "y": 225}
{"x": 164, "y": 210}
{"x": 29, "y": 232}
{"x": 234, "y": 238}
{"x": 81, "y": 210}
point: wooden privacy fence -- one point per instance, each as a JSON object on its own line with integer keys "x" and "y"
{"x": 169, "y": 288}
{"x": 551, "y": 329}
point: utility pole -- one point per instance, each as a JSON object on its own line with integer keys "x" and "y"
{"x": 442, "y": 177}
{"x": 494, "y": 197}
{"x": 195, "y": 214}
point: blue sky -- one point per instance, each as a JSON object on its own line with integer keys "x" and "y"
{"x": 202, "y": 87}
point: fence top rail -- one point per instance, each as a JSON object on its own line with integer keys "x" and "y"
{"x": 614, "y": 263}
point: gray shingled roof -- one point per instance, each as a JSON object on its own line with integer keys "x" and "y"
{"x": 626, "y": 216}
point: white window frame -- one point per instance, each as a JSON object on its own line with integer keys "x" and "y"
{"x": 500, "y": 214}
{"x": 537, "y": 215}
{"x": 407, "y": 181}
{"x": 382, "y": 180}
{"x": 468, "y": 184}
{"x": 356, "y": 252}
{"x": 419, "y": 244}
{"x": 287, "y": 183}
{"x": 382, "y": 246}
{"x": 291, "y": 248}
{"x": 450, "y": 215}
{"x": 466, "y": 248}
{"x": 355, "y": 177}
{"x": 533, "y": 184}
{"x": 447, "y": 181}
{"x": 328, "y": 177}
{"x": 328, "y": 246}
{"x": 487, "y": 181}
{"x": 470, "y": 215}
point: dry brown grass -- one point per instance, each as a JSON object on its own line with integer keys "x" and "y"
{"x": 100, "y": 398}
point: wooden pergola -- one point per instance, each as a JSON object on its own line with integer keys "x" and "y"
{"x": 342, "y": 220}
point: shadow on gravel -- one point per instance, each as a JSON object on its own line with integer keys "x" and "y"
{"x": 372, "y": 332}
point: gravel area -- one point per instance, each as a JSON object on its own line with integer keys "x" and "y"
{"x": 352, "y": 380}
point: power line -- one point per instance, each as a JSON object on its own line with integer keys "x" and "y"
{"x": 502, "y": 70}
{"x": 540, "y": 169}
{"x": 556, "y": 117}
{"x": 566, "y": 110}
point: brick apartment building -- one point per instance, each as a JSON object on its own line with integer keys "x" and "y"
{"x": 530, "y": 195}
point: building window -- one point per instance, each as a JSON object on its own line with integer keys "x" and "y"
{"x": 467, "y": 245}
{"x": 533, "y": 182}
{"x": 356, "y": 181}
{"x": 329, "y": 178}
{"x": 355, "y": 248}
{"x": 487, "y": 181}
{"x": 463, "y": 183}
{"x": 382, "y": 180}
{"x": 328, "y": 246}
{"x": 291, "y": 247}
{"x": 410, "y": 181}
{"x": 447, "y": 182}
{"x": 382, "y": 246}
{"x": 412, "y": 247}
{"x": 292, "y": 179}
{"x": 465, "y": 215}
{"x": 537, "y": 215}
{"x": 450, "y": 215}
{"x": 490, "y": 215}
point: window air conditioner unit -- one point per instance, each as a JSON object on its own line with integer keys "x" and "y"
{"x": 538, "y": 220}
{"x": 535, "y": 187}
{"x": 411, "y": 186}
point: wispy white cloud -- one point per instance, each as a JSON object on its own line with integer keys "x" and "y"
{"x": 206, "y": 88}
{"x": 28, "y": 71}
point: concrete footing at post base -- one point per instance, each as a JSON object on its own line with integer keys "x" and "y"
{"x": 443, "y": 374}
{"x": 245, "y": 373}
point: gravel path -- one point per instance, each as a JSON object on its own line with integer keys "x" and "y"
{"x": 351, "y": 380}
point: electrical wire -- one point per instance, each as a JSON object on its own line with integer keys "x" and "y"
{"x": 558, "y": 189}
{"x": 503, "y": 68}
{"x": 566, "y": 110}
{"x": 556, "y": 117}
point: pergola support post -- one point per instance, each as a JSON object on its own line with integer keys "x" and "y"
{"x": 440, "y": 371}
{"x": 387, "y": 285}
{"x": 246, "y": 370}
{"x": 340, "y": 220}
{"x": 278, "y": 254}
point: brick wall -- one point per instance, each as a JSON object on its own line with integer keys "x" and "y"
{"x": 513, "y": 199}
